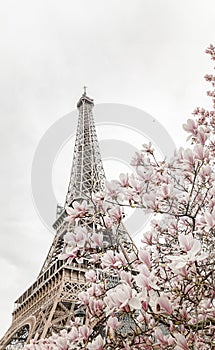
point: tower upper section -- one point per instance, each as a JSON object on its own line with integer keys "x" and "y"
{"x": 87, "y": 174}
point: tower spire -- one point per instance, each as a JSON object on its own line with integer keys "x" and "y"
{"x": 87, "y": 174}
{"x": 85, "y": 90}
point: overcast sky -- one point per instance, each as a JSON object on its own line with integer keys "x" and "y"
{"x": 146, "y": 54}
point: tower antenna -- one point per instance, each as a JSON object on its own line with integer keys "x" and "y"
{"x": 85, "y": 90}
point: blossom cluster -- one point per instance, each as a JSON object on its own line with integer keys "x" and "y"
{"x": 162, "y": 295}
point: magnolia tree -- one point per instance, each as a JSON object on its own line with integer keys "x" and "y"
{"x": 161, "y": 296}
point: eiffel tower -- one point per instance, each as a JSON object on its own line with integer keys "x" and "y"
{"x": 50, "y": 303}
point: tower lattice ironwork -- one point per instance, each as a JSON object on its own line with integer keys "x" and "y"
{"x": 49, "y": 304}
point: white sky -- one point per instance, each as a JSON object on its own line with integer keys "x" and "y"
{"x": 144, "y": 53}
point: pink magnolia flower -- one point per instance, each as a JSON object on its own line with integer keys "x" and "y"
{"x": 137, "y": 159}
{"x": 148, "y": 148}
{"x": 161, "y": 338}
{"x": 62, "y": 343}
{"x": 97, "y": 343}
{"x": 109, "y": 259}
{"x": 190, "y": 126}
{"x": 114, "y": 260}
{"x": 120, "y": 297}
{"x": 73, "y": 334}
{"x": 147, "y": 238}
{"x": 181, "y": 343}
{"x": 188, "y": 156}
{"x": 200, "y": 152}
{"x": 210, "y": 218}
{"x": 205, "y": 171}
{"x": 69, "y": 254}
{"x": 98, "y": 197}
{"x": 135, "y": 185}
{"x": 145, "y": 279}
{"x": 208, "y": 77}
{"x": 116, "y": 213}
{"x": 202, "y": 136}
{"x": 120, "y": 260}
{"x": 79, "y": 210}
{"x": 145, "y": 175}
{"x": 151, "y": 202}
{"x": 108, "y": 222}
{"x": 126, "y": 277}
{"x": 113, "y": 322}
{"x": 112, "y": 325}
{"x": 90, "y": 276}
{"x": 77, "y": 239}
{"x": 124, "y": 180}
{"x": 84, "y": 332}
{"x": 69, "y": 238}
{"x": 166, "y": 191}
{"x": 84, "y": 297}
{"x": 164, "y": 304}
{"x": 97, "y": 239}
{"x": 95, "y": 306}
{"x": 112, "y": 189}
{"x": 96, "y": 289}
{"x": 192, "y": 247}
{"x": 144, "y": 256}
{"x": 187, "y": 242}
